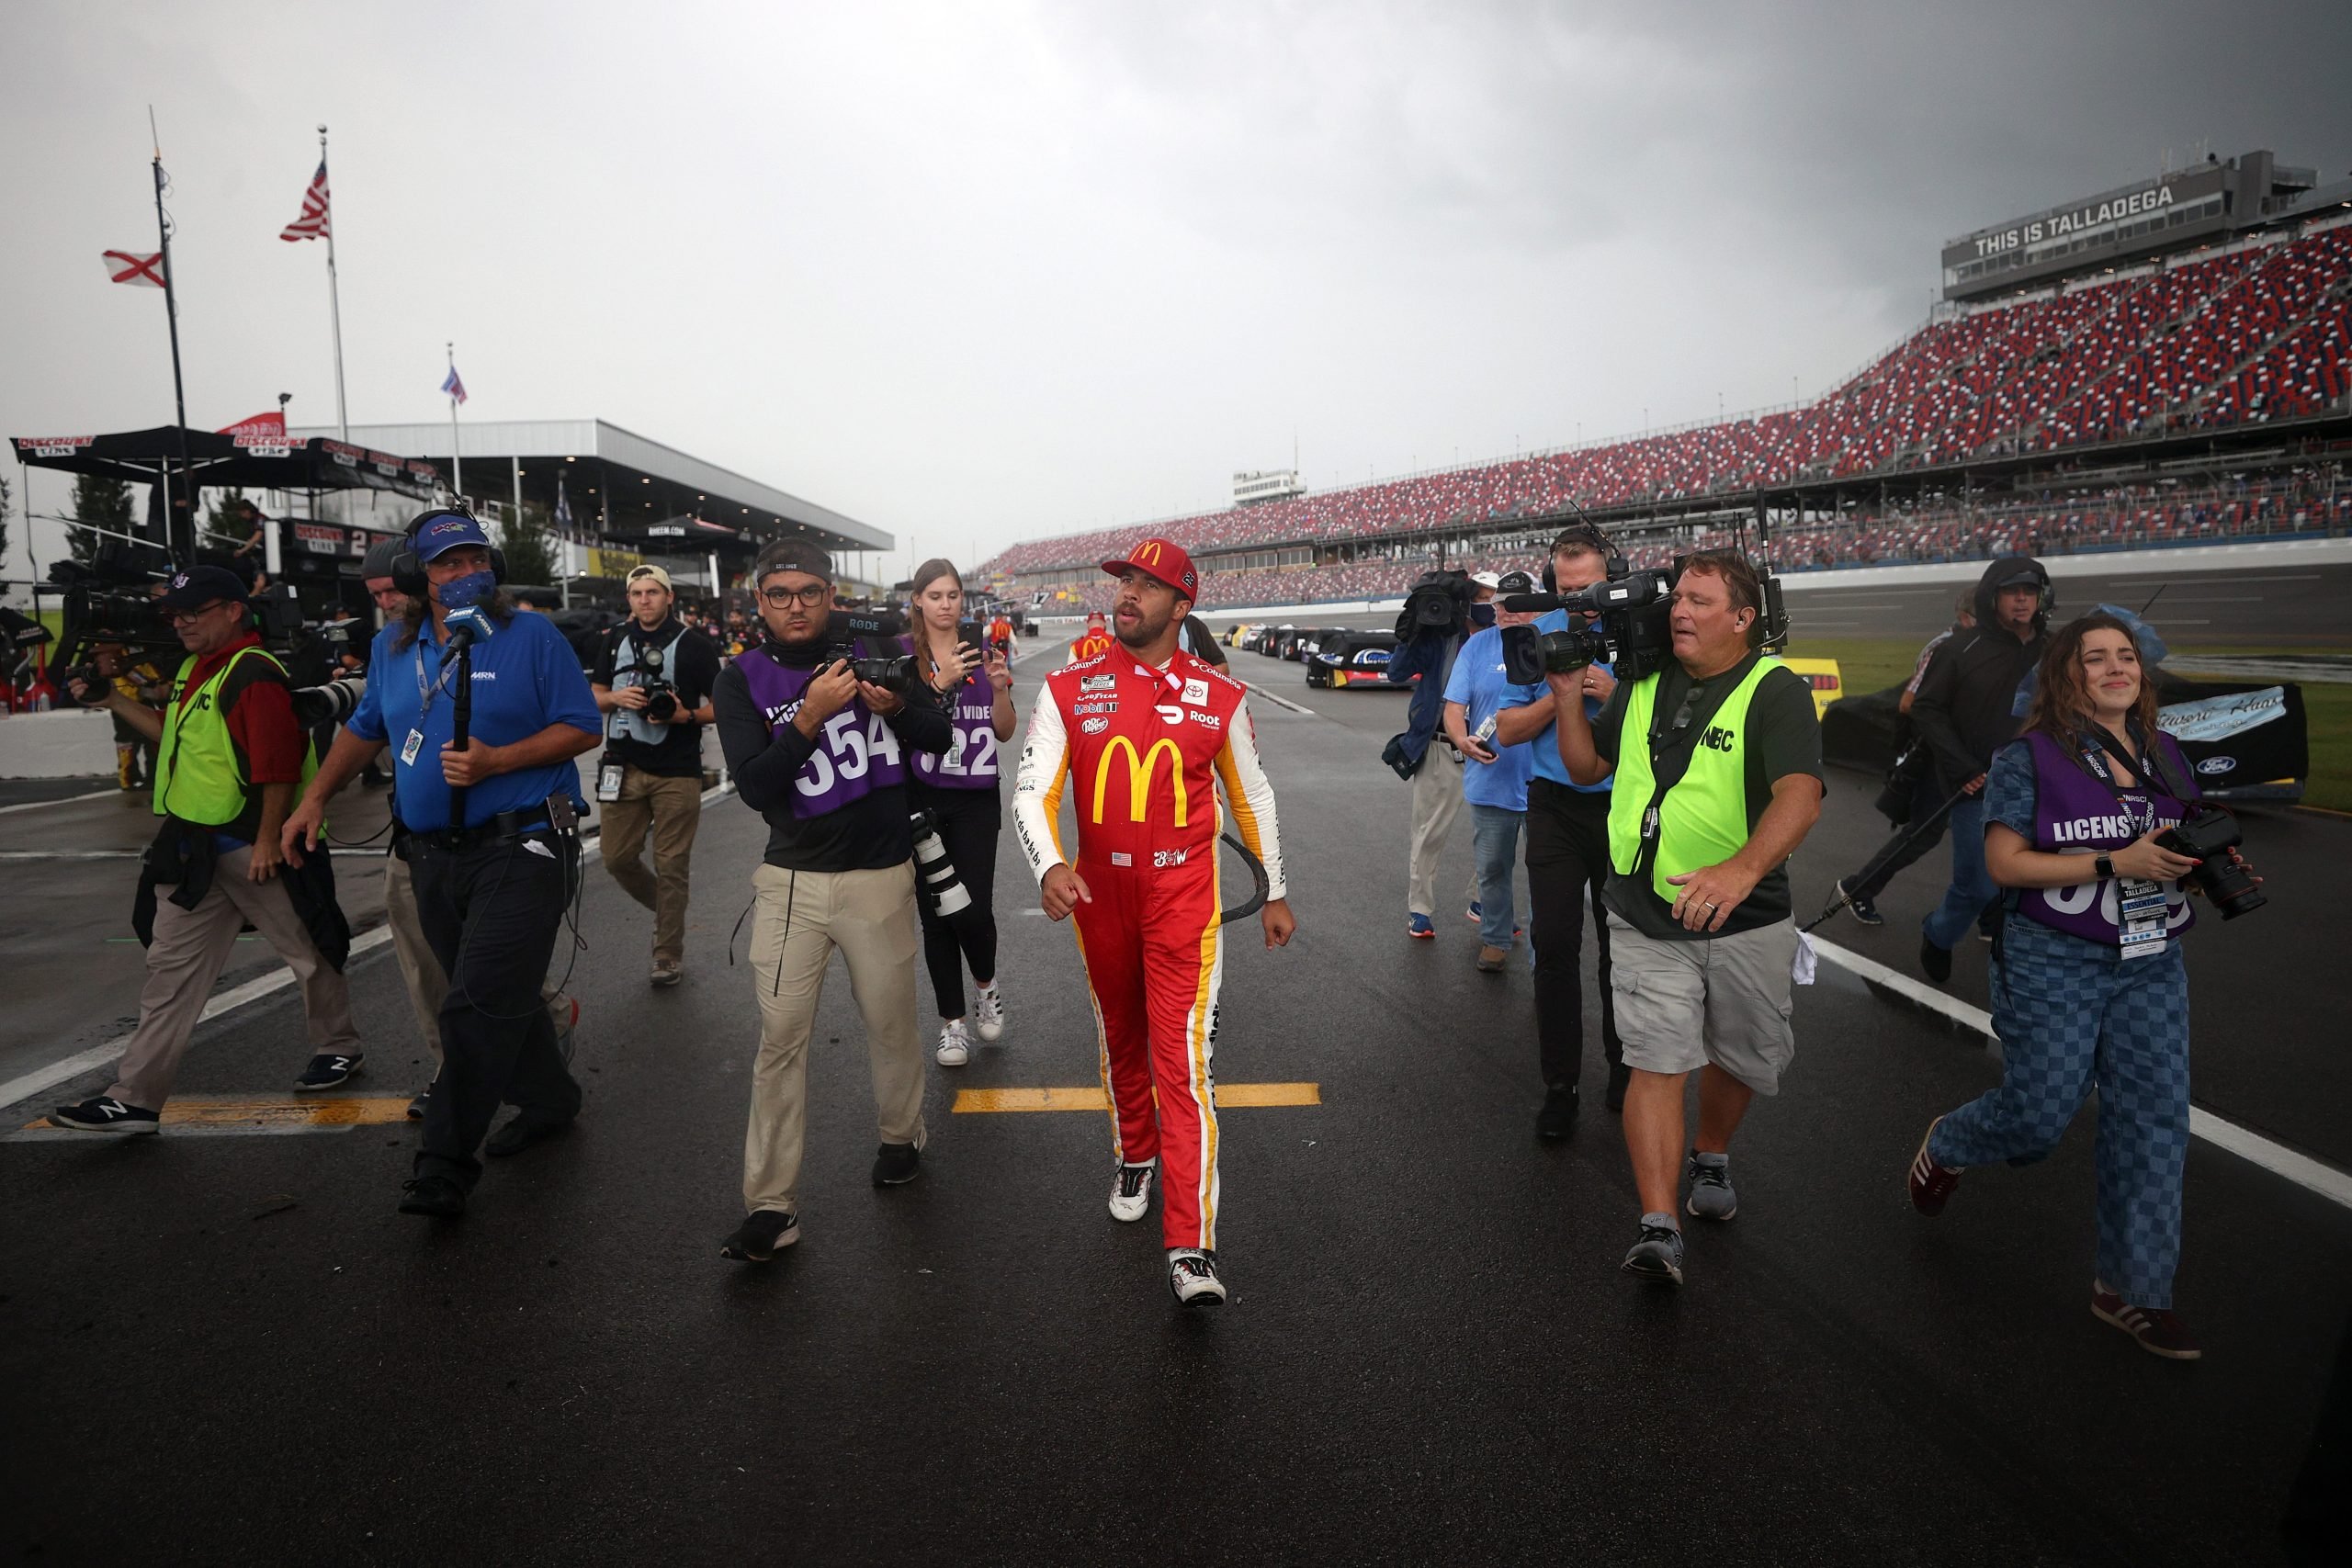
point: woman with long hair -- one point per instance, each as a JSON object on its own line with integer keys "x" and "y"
{"x": 960, "y": 789}
{"x": 2089, "y": 991}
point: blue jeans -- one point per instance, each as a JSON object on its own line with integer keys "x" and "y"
{"x": 1973, "y": 890}
{"x": 1494, "y": 837}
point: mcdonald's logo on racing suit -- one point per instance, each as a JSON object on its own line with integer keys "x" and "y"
{"x": 1148, "y": 747}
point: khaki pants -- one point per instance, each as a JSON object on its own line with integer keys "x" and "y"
{"x": 1437, "y": 801}
{"x": 674, "y": 809}
{"x": 192, "y": 946}
{"x": 800, "y": 918}
{"x": 421, "y": 974}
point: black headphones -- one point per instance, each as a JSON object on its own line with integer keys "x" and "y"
{"x": 408, "y": 571}
{"x": 1584, "y": 535}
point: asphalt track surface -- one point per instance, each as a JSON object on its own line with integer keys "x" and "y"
{"x": 225, "y": 1347}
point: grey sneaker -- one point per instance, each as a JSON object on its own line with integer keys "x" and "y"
{"x": 1710, "y": 1194}
{"x": 1658, "y": 1254}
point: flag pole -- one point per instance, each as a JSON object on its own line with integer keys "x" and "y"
{"x": 457, "y": 464}
{"x": 334, "y": 307}
{"x": 179, "y": 387}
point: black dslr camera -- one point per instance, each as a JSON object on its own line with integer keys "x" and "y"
{"x": 1628, "y": 632}
{"x": 892, "y": 672}
{"x": 2208, "y": 835}
{"x": 1438, "y": 601}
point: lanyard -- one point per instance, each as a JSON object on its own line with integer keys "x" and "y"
{"x": 424, "y": 688}
{"x": 2096, "y": 753}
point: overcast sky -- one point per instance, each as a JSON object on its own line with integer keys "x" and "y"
{"x": 975, "y": 272}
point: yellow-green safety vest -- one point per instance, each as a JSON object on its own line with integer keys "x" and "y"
{"x": 198, "y": 778}
{"x": 1703, "y": 819}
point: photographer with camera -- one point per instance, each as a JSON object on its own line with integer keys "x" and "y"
{"x": 1715, "y": 761}
{"x": 815, "y": 739}
{"x": 487, "y": 826}
{"x": 958, "y": 791}
{"x": 1968, "y": 705}
{"x": 2092, "y": 823}
{"x": 1440, "y": 612}
{"x": 230, "y": 757}
{"x": 653, "y": 678}
{"x": 1912, "y": 771}
{"x": 1494, "y": 778}
{"x": 1568, "y": 856}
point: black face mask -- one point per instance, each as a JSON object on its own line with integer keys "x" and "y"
{"x": 1482, "y": 615}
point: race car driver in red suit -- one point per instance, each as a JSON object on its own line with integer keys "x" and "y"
{"x": 1139, "y": 737}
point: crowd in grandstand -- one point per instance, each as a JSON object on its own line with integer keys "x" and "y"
{"x": 2259, "y": 331}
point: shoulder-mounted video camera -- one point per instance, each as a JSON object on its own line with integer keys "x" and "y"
{"x": 1629, "y": 628}
{"x": 1438, "y": 601}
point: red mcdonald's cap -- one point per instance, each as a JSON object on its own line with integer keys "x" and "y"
{"x": 1161, "y": 559}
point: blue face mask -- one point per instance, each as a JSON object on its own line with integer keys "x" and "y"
{"x": 464, "y": 592}
{"x": 1482, "y": 615}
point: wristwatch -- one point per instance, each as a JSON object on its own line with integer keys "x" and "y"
{"x": 2104, "y": 867}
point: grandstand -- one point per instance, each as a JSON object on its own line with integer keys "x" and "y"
{"x": 2168, "y": 364}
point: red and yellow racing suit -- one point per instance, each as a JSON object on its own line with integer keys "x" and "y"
{"x": 1092, "y": 644}
{"x": 1144, "y": 749}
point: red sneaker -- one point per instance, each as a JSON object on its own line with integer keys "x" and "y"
{"x": 1931, "y": 1184}
{"x": 2155, "y": 1329}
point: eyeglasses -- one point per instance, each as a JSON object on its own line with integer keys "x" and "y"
{"x": 810, "y": 597}
{"x": 187, "y": 617}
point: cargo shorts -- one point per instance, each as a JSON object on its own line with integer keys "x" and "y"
{"x": 1682, "y": 1004}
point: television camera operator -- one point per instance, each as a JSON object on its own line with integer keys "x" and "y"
{"x": 816, "y": 733}
{"x": 1441, "y": 613}
{"x": 1714, "y": 759}
{"x": 494, "y": 868}
{"x": 654, "y": 680}
{"x": 230, "y": 757}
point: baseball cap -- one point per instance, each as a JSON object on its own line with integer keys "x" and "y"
{"x": 202, "y": 585}
{"x": 639, "y": 573}
{"x": 446, "y": 531}
{"x": 792, "y": 555}
{"x": 1514, "y": 582}
{"x": 1486, "y": 580}
{"x": 1162, "y": 560}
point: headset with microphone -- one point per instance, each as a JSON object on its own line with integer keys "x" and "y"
{"x": 408, "y": 568}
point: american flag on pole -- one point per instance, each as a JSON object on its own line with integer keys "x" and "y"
{"x": 131, "y": 266}
{"x": 452, "y": 388}
{"x": 313, "y": 224}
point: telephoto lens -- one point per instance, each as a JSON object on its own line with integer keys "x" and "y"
{"x": 945, "y": 890}
{"x": 329, "y": 704}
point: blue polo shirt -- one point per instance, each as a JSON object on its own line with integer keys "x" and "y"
{"x": 1476, "y": 683}
{"x": 1546, "y": 743}
{"x": 526, "y": 678}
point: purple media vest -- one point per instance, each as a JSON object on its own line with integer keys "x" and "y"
{"x": 970, "y": 760}
{"x": 2074, "y": 810}
{"x": 856, "y": 752}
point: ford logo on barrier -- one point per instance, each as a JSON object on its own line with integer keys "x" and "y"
{"x": 2217, "y": 765}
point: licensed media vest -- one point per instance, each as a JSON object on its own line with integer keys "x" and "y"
{"x": 1703, "y": 817}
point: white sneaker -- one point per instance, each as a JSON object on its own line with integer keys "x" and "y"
{"x": 1131, "y": 1192}
{"x": 987, "y": 1017}
{"x": 955, "y": 1046}
{"x": 1191, "y": 1274}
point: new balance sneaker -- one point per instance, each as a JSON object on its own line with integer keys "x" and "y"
{"x": 327, "y": 1071}
{"x": 1131, "y": 1192}
{"x": 439, "y": 1197}
{"x": 761, "y": 1236}
{"x": 895, "y": 1165}
{"x": 1420, "y": 927}
{"x": 104, "y": 1115}
{"x": 955, "y": 1046}
{"x": 1864, "y": 910}
{"x": 1710, "y": 1194}
{"x": 1931, "y": 1184}
{"x": 1658, "y": 1256}
{"x": 1191, "y": 1274}
{"x": 2154, "y": 1329}
{"x": 988, "y": 1015}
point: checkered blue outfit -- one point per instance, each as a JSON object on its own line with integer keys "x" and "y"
{"x": 2074, "y": 1016}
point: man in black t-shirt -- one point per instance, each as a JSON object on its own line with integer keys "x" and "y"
{"x": 653, "y": 678}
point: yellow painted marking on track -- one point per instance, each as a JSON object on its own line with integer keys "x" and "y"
{"x": 1230, "y": 1096}
{"x": 278, "y": 1111}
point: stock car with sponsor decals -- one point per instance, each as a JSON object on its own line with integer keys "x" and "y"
{"x": 1354, "y": 659}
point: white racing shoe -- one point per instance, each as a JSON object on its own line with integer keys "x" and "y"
{"x": 1131, "y": 1192}
{"x": 955, "y": 1046}
{"x": 988, "y": 1016}
{"x": 1191, "y": 1274}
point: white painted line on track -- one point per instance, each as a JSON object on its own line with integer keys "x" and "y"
{"x": 70, "y": 855}
{"x": 2306, "y": 1172}
{"x": 42, "y": 1079}
{"x": 1258, "y": 691}
{"x": 61, "y": 800}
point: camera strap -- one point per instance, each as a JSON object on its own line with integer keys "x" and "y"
{"x": 2142, "y": 908}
